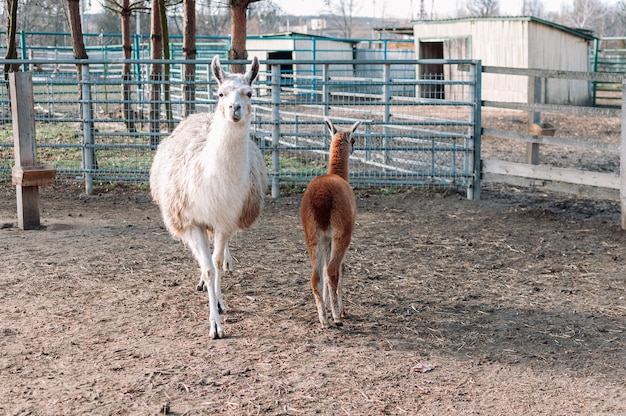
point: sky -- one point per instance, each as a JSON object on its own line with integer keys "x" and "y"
{"x": 410, "y": 8}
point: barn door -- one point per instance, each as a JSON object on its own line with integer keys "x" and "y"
{"x": 430, "y": 72}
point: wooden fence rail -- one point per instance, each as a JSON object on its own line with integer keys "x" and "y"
{"x": 595, "y": 184}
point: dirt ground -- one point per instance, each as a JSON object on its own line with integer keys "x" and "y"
{"x": 511, "y": 305}
{"x": 518, "y": 302}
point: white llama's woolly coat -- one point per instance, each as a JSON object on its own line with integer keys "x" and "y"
{"x": 194, "y": 177}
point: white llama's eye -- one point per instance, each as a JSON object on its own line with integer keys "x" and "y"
{"x": 221, "y": 95}
{"x": 249, "y": 94}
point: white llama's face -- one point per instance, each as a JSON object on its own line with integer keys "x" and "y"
{"x": 235, "y": 91}
{"x": 234, "y": 99}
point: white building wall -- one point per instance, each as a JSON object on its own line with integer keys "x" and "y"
{"x": 517, "y": 43}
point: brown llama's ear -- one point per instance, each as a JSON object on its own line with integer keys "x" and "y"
{"x": 331, "y": 127}
{"x": 253, "y": 72}
{"x": 351, "y": 144}
{"x": 355, "y": 126}
{"x": 218, "y": 72}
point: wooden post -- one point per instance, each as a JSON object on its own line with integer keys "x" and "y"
{"x": 622, "y": 169}
{"x": 534, "y": 96}
{"x": 27, "y": 175}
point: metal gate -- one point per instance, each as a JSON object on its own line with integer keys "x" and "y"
{"x": 407, "y": 138}
{"x": 609, "y": 56}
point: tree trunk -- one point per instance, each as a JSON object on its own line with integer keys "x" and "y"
{"x": 166, "y": 68}
{"x": 11, "y": 41}
{"x": 239, "y": 32}
{"x": 80, "y": 52}
{"x": 189, "y": 52}
{"x": 76, "y": 29}
{"x": 156, "y": 48}
{"x": 127, "y": 50}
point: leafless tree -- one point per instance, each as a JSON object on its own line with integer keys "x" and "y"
{"x": 238, "y": 32}
{"x": 11, "y": 40}
{"x": 42, "y": 16}
{"x": 533, "y": 8}
{"x": 125, "y": 9}
{"x": 582, "y": 12}
{"x": 482, "y": 7}
{"x": 189, "y": 53}
{"x": 156, "y": 71}
{"x": 213, "y": 17}
{"x": 620, "y": 13}
{"x": 165, "y": 34}
{"x": 264, "y": 17}
{"x": 76, "y": 30}
{"x": 343, "y": 12}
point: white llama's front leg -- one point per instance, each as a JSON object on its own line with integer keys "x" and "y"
{"x": 220, "y": 242}
{"x": 199, "y": 243}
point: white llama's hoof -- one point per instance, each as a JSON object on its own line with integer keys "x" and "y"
{"x": 200, "y": 287}
{"x": 216, "y": 331}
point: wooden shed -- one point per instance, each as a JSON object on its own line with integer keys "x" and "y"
{"x": 519, "y": 42}
{"x": 299, "y": 46}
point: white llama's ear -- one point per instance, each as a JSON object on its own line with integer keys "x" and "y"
{"x": 218, "y": 72}
{"x": 331, "y": 127}
{"x": 355, "y": 126}
{"x": 253, "y": 72}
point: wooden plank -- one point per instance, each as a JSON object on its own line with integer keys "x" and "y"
{"x": 33, "y": 175}
{"x": 551, "y": 140}
{"x": 561, "y": 187}
{"x": 555, "y": 73}
{"x": 555, "y": 108}
{"x": 550, "y": 173}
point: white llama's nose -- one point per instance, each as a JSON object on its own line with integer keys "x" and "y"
{"x": 235, "y": 111}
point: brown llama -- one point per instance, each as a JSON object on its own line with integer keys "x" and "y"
{"x": 328, "y": 214}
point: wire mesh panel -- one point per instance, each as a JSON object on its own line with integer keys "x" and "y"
{"x": 416, "y": 131}
{"x": 405, "y": 139}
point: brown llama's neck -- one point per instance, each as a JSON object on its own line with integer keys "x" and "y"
{"x": 339, "y": 160}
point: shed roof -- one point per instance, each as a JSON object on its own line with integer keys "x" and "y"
{"x": 582, "y": 33}
{"x": 297, "y": 35}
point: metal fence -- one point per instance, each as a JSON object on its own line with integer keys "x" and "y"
{"x": 416, "y": 131}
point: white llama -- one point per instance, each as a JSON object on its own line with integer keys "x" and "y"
{"x": 209, "y": 180}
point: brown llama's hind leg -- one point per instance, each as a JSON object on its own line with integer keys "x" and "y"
{"x": 342, "y": 310}
{"x": 316, "y": 258}
{"x": 334, "y": 292}
{"x": 317, "y": 285}
{"x": 334, "y": 272}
